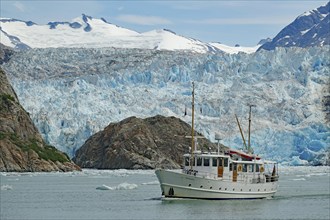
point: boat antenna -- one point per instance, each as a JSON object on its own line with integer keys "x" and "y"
{"x": 192, "y": 125}
{"x": 240, "y": 129}
{"x": 249, "y": 140}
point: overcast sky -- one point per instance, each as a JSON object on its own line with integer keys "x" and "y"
{"x": 228, "y": 22}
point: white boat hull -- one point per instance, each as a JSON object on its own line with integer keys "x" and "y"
{"x": 180, "y": 185}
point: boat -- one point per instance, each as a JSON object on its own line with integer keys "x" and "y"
{"x": 224, "y": 174}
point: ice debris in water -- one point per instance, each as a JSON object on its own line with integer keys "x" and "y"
{"x": 151, "y": 183}
{"x": 6, "y": 187}
{"x": 122, "y": 186}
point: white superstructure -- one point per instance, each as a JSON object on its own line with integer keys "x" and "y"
{"x": 225, "y": 174}
{"x": 228, "y": 175}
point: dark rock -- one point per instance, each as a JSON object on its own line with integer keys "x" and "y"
{"x": 5, "y": 53}
{"x": 134, "y": 143}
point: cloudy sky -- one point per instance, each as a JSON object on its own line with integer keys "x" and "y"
{"x": 229, "y": 22}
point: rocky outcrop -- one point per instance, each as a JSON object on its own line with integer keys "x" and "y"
{"x": 134, "y": 143}
{"x": 21, "y": 146}
{"x": 5, "y": 53}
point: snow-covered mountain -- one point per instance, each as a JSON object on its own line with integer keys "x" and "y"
{"x": 309, "y": 29}
{"x": 89, "y": 32}
{"x": 73, "y": 93}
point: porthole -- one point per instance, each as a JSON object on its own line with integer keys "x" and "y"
{"x": 210, "y": 187}
{"x": 241, "y": 190}
{"x": 201, "y": 186}
{"x": 265, "y": 190}
{"x": 258, "y": 190}
{"x": 225, "y": 188}
{"x": 250, "y": 190}
{"x": 233, "y": 189}
{"x": 189, "y": 184}
{"x": 220, "y": 188}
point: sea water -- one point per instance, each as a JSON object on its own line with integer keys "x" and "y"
{"x": 304, "y": 193}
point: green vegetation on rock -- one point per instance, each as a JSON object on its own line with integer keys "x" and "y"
{"x": 47, "y": 152}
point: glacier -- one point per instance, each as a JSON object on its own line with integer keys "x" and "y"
{"x": 72, "y": 93}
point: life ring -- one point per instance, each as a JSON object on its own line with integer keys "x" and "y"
{"x": 261, "y": 169}
{"x": 239, "y": 168}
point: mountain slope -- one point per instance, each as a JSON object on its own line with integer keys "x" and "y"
{"x": 90, "y": 32}
{"x": 21, "y": 146}
{"x": 309, "y": 29}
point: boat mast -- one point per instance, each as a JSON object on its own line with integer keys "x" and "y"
{"x": 192, "y": 126}
{"x": 249, "y": 143}
{"x": 240, "y": 129}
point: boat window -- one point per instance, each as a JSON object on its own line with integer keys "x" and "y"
{"x": 257, "y": 167}
{"x": 251, "y": 168}
{"x": 244, "y": 167}
{"x": 226, "y": 162}
{"x": 220, "y": 162}
{"x": 206, "y": 162}
{"x": 230, "y": 167}
{"x": 235, "y": 166}
{"x": 186, "y": 161}
{"x": 199, "y": 161}
{"x": 214, "y": 162}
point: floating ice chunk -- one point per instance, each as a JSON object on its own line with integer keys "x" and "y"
{"x": 118, "y": 172}
{"x": 126, "y": 186}
{"x": 6, "y": 187}
{"x": 122, "y": 186}
{"x": 104, "y": 187}
{"x": 299, "y": 179}
{"x": 151, "y": 183}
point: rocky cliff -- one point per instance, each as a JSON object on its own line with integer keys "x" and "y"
{"x": 21, "y": 146}
{"x": 5, "y": 53}
{"x": 136, "y": 143}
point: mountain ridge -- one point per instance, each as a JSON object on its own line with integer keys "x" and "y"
{"x": 88, "y": 32}
{"x": 311, "y": 28}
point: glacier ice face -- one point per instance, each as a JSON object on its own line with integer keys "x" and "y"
{"x": 74, "y": 93}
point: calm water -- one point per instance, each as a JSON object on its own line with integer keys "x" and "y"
{"x": 304, "y": 193}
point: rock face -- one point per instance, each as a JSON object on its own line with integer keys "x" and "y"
{"x": 21, "y": 146}
{"x": 5, "y": 53}
{"x": 134, "y": 143}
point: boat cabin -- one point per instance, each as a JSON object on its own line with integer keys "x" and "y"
{"x": 232, "y": 166}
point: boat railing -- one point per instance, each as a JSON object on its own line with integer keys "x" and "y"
{"x": 259, "y": 178}
{"x": 190, "y": 172}
{"x": 247, "y": 178}
{"x": 200, "y": 173}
